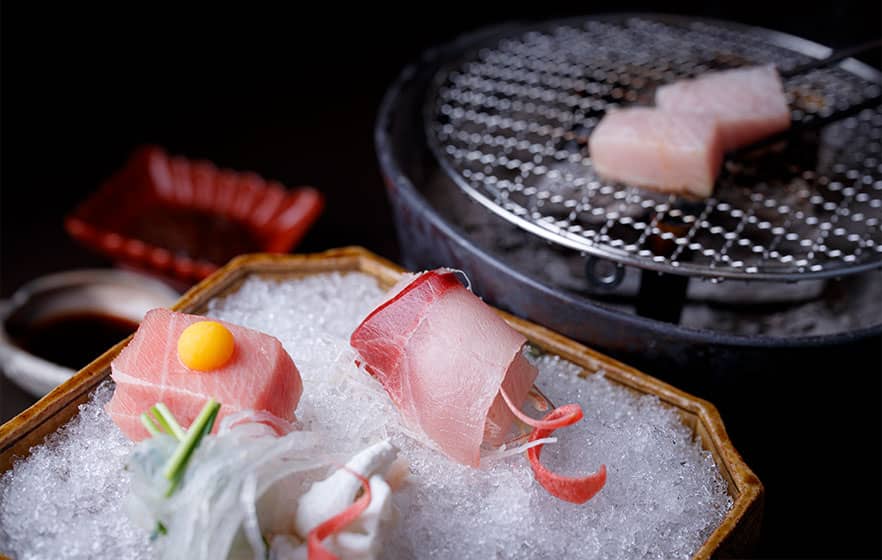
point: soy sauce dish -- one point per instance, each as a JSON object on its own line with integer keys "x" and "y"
{"x": 57, "y": 324}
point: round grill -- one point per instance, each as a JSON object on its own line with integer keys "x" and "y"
{"x": 510, "y": 124}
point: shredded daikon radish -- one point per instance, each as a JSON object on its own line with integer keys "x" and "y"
{"x": 504, "y": 452}
{"x": 224, "y": 492}
{"x": 261, "y": 417}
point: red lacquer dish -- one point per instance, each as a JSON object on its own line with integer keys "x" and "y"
{"x": 185, "y": 218}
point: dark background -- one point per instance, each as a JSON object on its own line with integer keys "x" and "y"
{"x": 293, "y": 96}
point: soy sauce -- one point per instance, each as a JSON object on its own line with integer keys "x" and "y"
{"x": 73, "y": 339}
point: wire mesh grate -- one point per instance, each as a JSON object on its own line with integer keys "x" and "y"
{"x": 510, "y": 123}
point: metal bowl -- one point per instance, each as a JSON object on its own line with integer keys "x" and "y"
{"x": 702, "y": 360}
{"x": 777, "y": 393}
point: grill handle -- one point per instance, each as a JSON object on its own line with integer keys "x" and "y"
{"x": 834, "y": 57}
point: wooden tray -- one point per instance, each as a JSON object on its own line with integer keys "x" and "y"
{"x": 734, "y": 537}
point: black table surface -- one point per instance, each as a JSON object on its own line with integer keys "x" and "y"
{"x": 294, "y": 98}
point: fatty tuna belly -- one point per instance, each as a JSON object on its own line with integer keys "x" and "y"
{"x": 749, "y": 103}
{"x": 128, "y": 420}
{"x": 129, "y": 424}
{"x": 667, "y": 152}
{"x": 130, "y": 400}
{"x": 259, "y": 376}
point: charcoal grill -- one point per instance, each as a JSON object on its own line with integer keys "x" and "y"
{"x": 482, "y": 144}
{"x": 504, "y": 116}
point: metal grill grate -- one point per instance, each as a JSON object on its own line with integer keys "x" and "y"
{"x": 510, "y": 124}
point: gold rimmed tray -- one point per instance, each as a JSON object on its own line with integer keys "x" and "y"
{"x": 735, "y": 536}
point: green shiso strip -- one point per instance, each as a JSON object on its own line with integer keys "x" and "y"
{"x": 174, "y": 468}
{"x": 167, "y": 421}
{"x": 150, "y": 425}
{"x": 160, "y": 420}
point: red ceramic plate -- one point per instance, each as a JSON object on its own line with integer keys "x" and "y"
{"x": 185, "y": 218}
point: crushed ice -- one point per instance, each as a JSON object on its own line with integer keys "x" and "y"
{"x": 663, "y": 497}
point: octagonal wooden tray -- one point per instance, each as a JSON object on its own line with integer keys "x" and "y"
{"x": 735, "y": 536}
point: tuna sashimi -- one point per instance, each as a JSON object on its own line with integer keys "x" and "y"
{"x": 679, "y": 153}
{"x": 443, "y": 355}
{"x": 260, "y": 375}
{"x": 749, "y": 103}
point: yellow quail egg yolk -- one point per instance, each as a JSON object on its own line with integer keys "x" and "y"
{"x": 206, "y": 346}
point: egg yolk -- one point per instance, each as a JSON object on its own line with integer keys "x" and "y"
{"x": 205, "y": 346}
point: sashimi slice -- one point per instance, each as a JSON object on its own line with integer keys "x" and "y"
{"x": 679, "y": 153}
{"x": 442, "y": 356}
{"x": 131, "y": 399}
{"x": 259, "y": 376}
{"x": 749, "y": 103}
{"x": 517, "y": 384}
